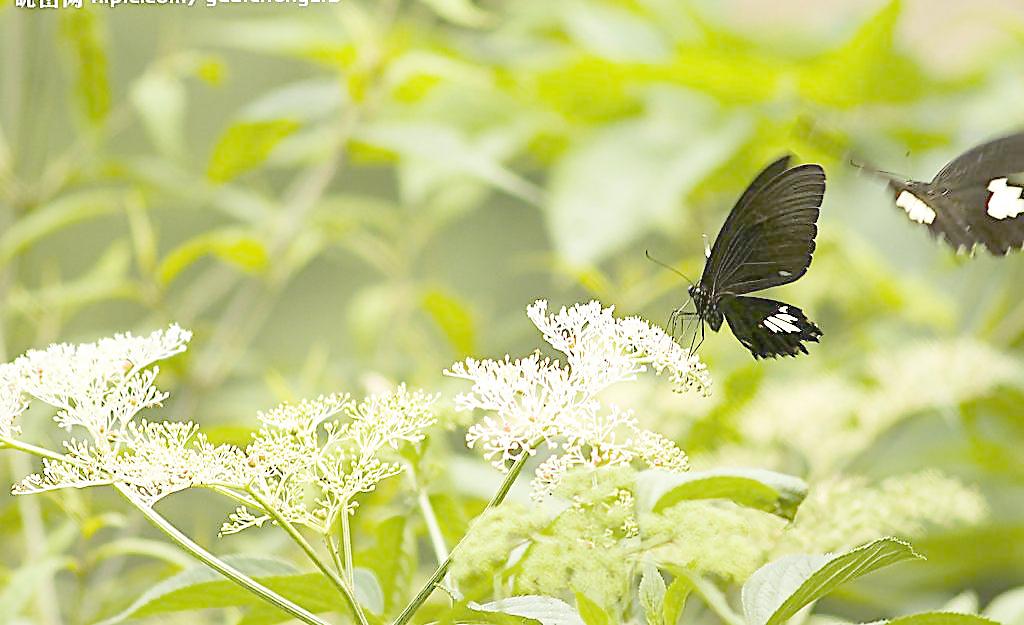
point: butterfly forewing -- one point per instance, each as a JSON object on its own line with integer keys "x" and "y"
{"x": 998, "y": 158}
{"x": 769, "y": 328}
{"x": 768, "y": 238}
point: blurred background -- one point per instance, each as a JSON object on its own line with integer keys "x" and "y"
{"x": 343, "y": 196}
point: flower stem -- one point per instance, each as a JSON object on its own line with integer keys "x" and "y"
{"x": 346, "y": 544}
{"x": 442, "y": 569}
{"x": 183, "y": 541}
{"x": 217, "y": 564}
{"x": 293, "y": 532}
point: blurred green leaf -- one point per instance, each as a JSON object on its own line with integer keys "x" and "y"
{"x": 772, "y": 492}
{"x": 22, "y": 585}
{"x": 368, "y": 591}
{"x": 590, "y": 612}
{"x": 245, "y": 145}
{"x": 239, "y": 248}
{"x": 675, "y": 599}
{"x": 56, "y": 215}
{"x": 1007, "y": 608}
{"x": 453, "y": 317}
{"x": 107, "y": 279}
{"x": 388, "y": 559}
{"x": 159, "y": 98}
{"x": 629, "y": 177}
{"x": 461, "y": 12}
{"x": 781, "y": 588}
{"x": 84, "y": 31}
{"x": 942, "y": 618}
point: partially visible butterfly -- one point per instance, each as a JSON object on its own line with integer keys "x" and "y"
{"x": 974, "y": 200}
{"x": 767, "y": 240}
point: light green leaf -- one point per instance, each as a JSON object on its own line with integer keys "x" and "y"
{"x": 675, "y": 599}
{"x": 390, "y": 562}
{"x": 1007, "y": 608}
{"x": 240, "y": 248}
{"x": 318, "y": 39}
{"x": 21, "y": 586}
{"x": 201, "y": 587}
{"x": 652, "y": 595}
{"x": 368, "y": 590}
{"x": 462, "y": 12}
{"x": 547, "y": 610}
{"x": 590, "y": 612}
{"x": 305, "y": 101}
{"x": 453, "y": 317}
{"x": 155, "y": 549}
{"x": 84, "y": 31}
{"x": 773, "y": 492}
{"x": 107, "y": 279}
{"x": 613, "y": 32}
{"x": 781, "y": 588}
{"x": 312, "y": 591}
{"x": 943, "y": 618}
{"x": 56, "y": 215}
{"x": 159, "y": 98}
{"x": 245, "y": 145}
{"x": 628, "y": 177}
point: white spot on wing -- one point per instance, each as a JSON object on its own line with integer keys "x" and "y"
{"x": 916, "y": 209}
{"x": 707, "y": 247}
{"x": 781, "y": 321}
{"x": 1005, "y": 201}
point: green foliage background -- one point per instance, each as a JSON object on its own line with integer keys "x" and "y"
{"x": 338, "y": 196}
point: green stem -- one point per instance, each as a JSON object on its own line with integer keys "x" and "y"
{"x": 217, "y": 564}
{"x": 434, "y": 531}
{"x": 442, "y": 569}
{"x": 184, "y": 541}
{"x": 293, "y": 532}
{"x": 346, "y": 544}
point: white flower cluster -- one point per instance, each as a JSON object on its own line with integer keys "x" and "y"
{"x": 12, "y": 401}
{"x": 537, "y": 400}
{"x": 101, "y": 388}
{"x": 309, "y": 468}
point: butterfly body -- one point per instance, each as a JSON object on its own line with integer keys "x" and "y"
{"x": 975, "y": 200}
{"x": 767, "y": 240}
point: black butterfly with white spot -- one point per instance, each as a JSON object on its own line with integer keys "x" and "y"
{"x": 766, "y": 241}
{"x": 975, "y": 199}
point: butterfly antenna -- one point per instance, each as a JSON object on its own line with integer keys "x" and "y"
{"x": 888, "y": 176}
{"x": 667, "y": 266}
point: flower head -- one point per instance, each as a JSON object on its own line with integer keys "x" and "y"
{"x": 537, "y": 400}
{"x": 12, "y": 402}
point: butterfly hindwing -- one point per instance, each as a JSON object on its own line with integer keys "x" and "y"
{"x": 768, "y": 238}
{"x": 769, "y": 328}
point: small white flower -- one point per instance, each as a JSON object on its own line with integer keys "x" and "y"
{"x": 535, "y": 400}
{"x": 12, "y": 402}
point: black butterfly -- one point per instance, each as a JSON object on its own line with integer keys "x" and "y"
{"x": 767, "y": 240}
{"x": 974, "y": 200}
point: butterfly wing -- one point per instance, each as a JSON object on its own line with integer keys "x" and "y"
{"x": 990, "y": 213}
{"x": 768, "y": 328}
{"x": 768, "y": 238}
{"x": 979, "y": 165}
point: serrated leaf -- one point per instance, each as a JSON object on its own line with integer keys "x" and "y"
{"x": 777, "y": 493}
{"x": 245, "y": 145}
{"x": 652, "y": 595}
{"x": 236, "y": 247}
{"x": 453, "y": 318}
{"x": 547, "y": 610}
{"x": 590, "y": 612}
{"x": 781, "y": 588}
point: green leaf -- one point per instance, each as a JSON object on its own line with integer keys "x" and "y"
{"x": 943, "y": 618}
{"x": 239, "y": 248}
{"x": 83, "y": 30}
{"x": 201, "y": 587}
{"x": 652, "y": 595}
{"x": 777, "y": 493}
{"x": 547, "y": 610}
{"x": 454, "y": 319}
{"x": 590, "y": 612}
{"x": 245, "y": 145}
{"x": 675, "y": 599}
{"x": 388, "y": 560}
{"x": 628, "y": 177}
{"x": 21, "y": 586}
{"x": 781, "y": 588}
{"x": 1007, "y": 608}
{"x": 461, "y": 12}
{"x": 54, "y": 216}
{"x": 368, "y": 590}
{"x": 159, "y": 98}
